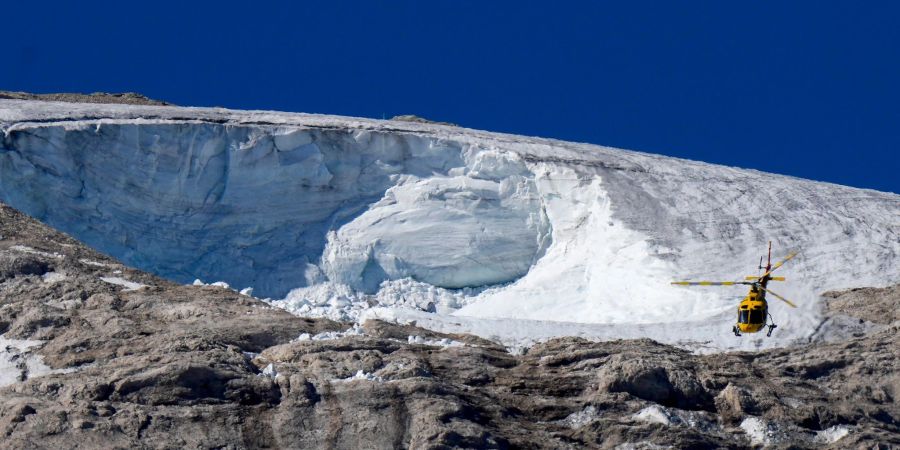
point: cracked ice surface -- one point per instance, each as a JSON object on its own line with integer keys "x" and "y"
{"x": 333, "y": 216}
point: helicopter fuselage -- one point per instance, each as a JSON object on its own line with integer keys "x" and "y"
{"x": 752, "y": 312}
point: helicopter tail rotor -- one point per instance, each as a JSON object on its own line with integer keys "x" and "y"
{"x": 779, "y": 264}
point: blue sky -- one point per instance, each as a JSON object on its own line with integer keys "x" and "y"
{"x": 809, "y": 89}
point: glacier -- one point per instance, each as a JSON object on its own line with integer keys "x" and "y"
{"x": 506, "y": 236}
{"x": 259, "y": 206}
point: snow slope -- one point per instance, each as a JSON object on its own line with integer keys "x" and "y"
{"x": 335, "y": 215}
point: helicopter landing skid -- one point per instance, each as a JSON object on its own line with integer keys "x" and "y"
{"x": 771, "y": 327}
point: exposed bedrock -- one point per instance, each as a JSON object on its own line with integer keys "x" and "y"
{"x": 279, "y": 207}
{"x": 88, "y": 360}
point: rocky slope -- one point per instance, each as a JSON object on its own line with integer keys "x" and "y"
{"x": 128, "y": 360}
{"x": 125, "y": 98}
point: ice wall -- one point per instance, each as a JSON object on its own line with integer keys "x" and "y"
{"x": 259, "y": 205}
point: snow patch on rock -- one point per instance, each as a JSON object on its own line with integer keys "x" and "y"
{"x": 581, "y": 418}
{"x": 675, "y": 417}
{"x": 54, "y": 277}
{"x": 127, "y": 284}
{"x": 93, "y": 263}
{"x": 269, "y": 371}
{"x": 654, "y": 414}
{"x": 445, "y": 342}
{"x": 832, "y": 434}
{"x": 360, "y": 375}
{"x": 19, "y": 362}
{"x": 759, "y": 431}
{"x": 355, "y": 330}
{"x": 31, "y": 251}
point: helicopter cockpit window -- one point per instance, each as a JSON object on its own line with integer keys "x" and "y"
{"x": 743, "y": 316}
{"x": 756, "y": 316}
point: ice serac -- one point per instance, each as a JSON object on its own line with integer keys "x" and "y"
{"x": 356, "y": 212}
{"x": 479, "y": 228}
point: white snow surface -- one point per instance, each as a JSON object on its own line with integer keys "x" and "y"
{"x": 514, "y": 238}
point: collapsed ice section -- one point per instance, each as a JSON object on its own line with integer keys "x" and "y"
{"x": 453, "y": 232}
{"x": 259, "y": 205}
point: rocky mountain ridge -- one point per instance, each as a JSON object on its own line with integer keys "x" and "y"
{"x": 125, "y": 359}
{"x": 125, "y": 98}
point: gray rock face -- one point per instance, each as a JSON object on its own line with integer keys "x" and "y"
{"x": 130, "y": 98}
{"x": 12, "y": 265}
{"x": 668, "y": 379}
{"x": 171, "y": 366}
{"x": 879, "y": 306}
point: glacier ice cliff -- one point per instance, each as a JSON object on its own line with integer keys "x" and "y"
{"x": 539, "y": 229}
{"x": 258, "y": 205}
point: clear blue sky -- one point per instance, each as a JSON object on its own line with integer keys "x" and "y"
{"x": 810, "y": 89}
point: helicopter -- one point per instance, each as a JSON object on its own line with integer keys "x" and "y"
{"x": 753, "y": 311}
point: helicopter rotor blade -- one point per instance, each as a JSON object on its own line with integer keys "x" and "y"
{"x": 756, "y": 278}
{"x": 708, "y": 283}
{"x": 790, "y": 303}
{"x": 780, "y": 263}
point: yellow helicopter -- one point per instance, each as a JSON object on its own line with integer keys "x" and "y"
{"x": 753, "y": 310}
